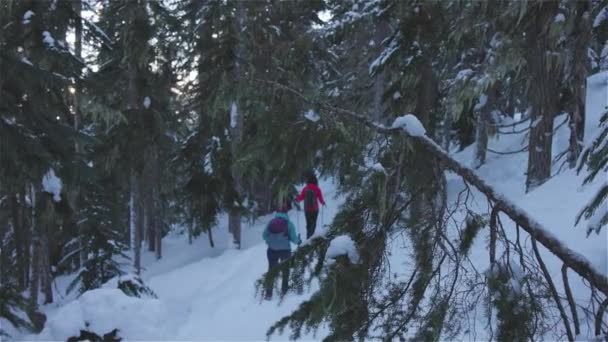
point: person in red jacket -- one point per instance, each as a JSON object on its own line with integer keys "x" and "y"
{"x": 311, "y": 195}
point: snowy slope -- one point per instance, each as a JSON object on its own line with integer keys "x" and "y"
{"x": 554, "y": 204}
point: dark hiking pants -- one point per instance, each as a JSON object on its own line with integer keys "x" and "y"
{"x": 311, "y": 222}
{"x": 274, "y": 259}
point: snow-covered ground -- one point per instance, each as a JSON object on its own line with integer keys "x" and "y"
{"x": 555, "y": 204}
{"x": 204, "y": 293}
{"x": 208, "y": 294}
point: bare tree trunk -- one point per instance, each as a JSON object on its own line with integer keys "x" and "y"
{"x": 136, "y": 223}
{"x": 578, "y": 73}
{"x": 133, "y": 107}
{"x": 157, "y": 219}
{"x": 158, "y": 235}
{"x": 27, "y": 239}
{"x": 152, "y": 207}
{"x": 35, "y": 271}
{"x": 190, "y": 231}
{"x": 543, "y": 95}
{"x": 149, "y": 224}
{"x": 210, "y": 235}
{"x": 4, "y": 262}
{"x": 236, "y": 125}
{"x": 483, "y": 122}
{"x": 77, "y": 116}
{"x": 46, "y": 222}
{"x": 132, "y": 211}
{"x": 148, "y": 203}
{"x": 20, "y": 246}
{"x": 46, "y": 264}
{"x": 35, "y": 274}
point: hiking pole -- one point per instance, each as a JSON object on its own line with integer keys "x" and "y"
{"x": 322, "y": 214}
{"x": 298, "y": 221}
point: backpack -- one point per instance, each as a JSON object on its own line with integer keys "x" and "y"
{"x": 278, "y": 226}
{"x": 278, "y": 237}
{"x": 310, "y": 199}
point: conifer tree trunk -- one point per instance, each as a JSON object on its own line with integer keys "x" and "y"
{"x": 210, "y": 235}
{"x": 190, "y": 231}
{"x": 579, "y": 71}
{"x": 3, "y": 252}
{"x": 149, "y": 223}
{"x": 18, "y": 232}
{"x": 35, "y": 265}
{"x": 77, "y": 117}
{"x": 148, "y": 201}
{"x": 35, "y": 274}
{"x": 236, "y": 125}
{"x": 45, "y": 261}
{"x": 131, "y": 212}
{"x": 483, "y": 122}
{"x": 158, "y": 235}
{"x": 135, "y": 223}
{"x": 27, "y": 238}
{"x": 156, "y": 203}
{"x": 46, "y": 222}
{"x": 134, "y": 109}
{"x": 543, "y": 95}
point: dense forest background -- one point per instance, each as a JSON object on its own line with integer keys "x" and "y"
{"x": 124, "y": 120}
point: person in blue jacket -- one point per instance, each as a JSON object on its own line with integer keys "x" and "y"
{"x": 279, "y": 234}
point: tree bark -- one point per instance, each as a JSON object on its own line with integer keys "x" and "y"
{"x": 27, "y": 239}
{"x": 136, "y": 223}
{"x": 46, "y": 266}
{"x": 20, "y": 245}
{"x": 190, "y": 231}
{"x": 571, "y": 302}
{"x": 210, "y": 235}
{"x": 483, "y": 121}
{"x": 77, "y": 117}
{"x": 46, "y": 223}
{"x": 35, "y": 271}
{"x": 543, "y": 94}
{"x": 157, "y": 220}
{"x": 581, "y": 37}
{"x": 236, "y": 125}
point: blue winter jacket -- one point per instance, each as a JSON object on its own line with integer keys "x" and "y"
{"x": 280, "y": 242}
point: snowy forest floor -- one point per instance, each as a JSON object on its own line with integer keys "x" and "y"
{"x": 204, "y": 293}
{"x": 208, "y": 293}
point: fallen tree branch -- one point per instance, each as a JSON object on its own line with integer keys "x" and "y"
{"x": 572, "y": 259}
{"x": 599, "y": 316}
{"x": 553, "y": 290}
{"x": 571, "y": 302}
{"x": 511, "y": 124}
{"x": 523, "y": 149}
{"x": 493, "y": 236}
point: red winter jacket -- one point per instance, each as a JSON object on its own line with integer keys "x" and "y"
{"x": 319, "y": 196}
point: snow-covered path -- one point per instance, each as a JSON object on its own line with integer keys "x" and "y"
{"x": 214, "y": 297}
{"x": 204, "y": 293}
